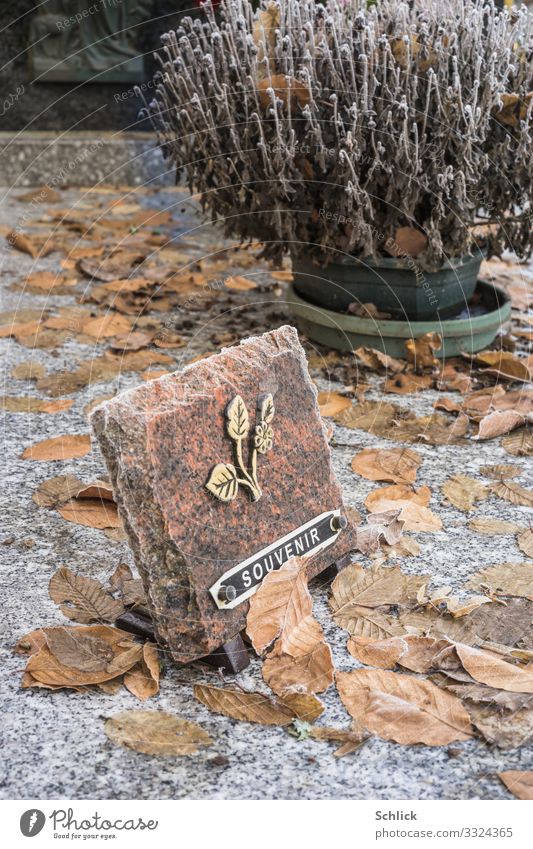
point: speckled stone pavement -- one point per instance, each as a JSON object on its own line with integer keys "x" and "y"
{"x": 53, "y": 743}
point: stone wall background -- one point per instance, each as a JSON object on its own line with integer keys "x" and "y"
{"x": 71, "y": 106}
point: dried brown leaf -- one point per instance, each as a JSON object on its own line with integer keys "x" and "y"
{"x": 525, "y": 542}
{"x": 350, "y": 738}
{"x": 142, "y": 680}
{"x": 245, "y": 707}
{"x": 357, "y": 592}
{"x": 309, "y": 673}
{"x": 373, "y": 359}
{"x": 21, "y": 329}
{"x": 510, "y": 624}
{"x": 31, "y": 245}
{"x": 467, "y": 689}
{"x": 415, "y": 653}
{"x": 405, "y": 547}
{"x": 130, "y": 588}
{"x": 519, "y": 782}
{"x": 96, "y": 489}
{"x": 28, "y": 404}
{"x": 450, "y": 379}
{"x": 505, "y": 730}
{"x": 41, "y": 194}
{"x": 83, "y": 599}
{"x": 519, "y": 443}
{"x": 304, "y": 706}
{"x": 46, "y": 668}
{"x": 80, "y": 651}
{"x": 412, "y": 504}
{"x": 131, "y": 341}
{"x": 29, "y": 370}
{"x": 398, "y": 465}
{"x": 406, "y": 384}
{"x": 56, "y": 491}
{"x": 264, "y": 31}
{"x": 331, "y": 403}
{"x": 373, "y": 416}
{"x": 383, "y": 654}
{"x": 380, "y": 527}
{"x": 490, "y": 670}
{"x": 103, "y": 368}
{"x": 513, "y": 492}
{"x": 458, "y": 608}
{"x": 47, "y": 282}
{"x": 462, "y": 492}
{"x": 498, "y": 423}
{"x": 240, "y": 284}
{"x": 407, "y": 241}
{"x": 508, "y": 579}
{"x": 91, "y": 512}
{"x": 398, "y": 492}
{"x": 31, "y": 643}
{"x": 116, "y": 267}
{"x": 403, "y": 708}
{"x": 504, "y": 364}
{"x": 488, "y": 525}
{"x": 448, "y": 404}
{"x": 431, "y": 430}
{"x": 285, "y": 89}
{"x": 59, "y": 448}
{"x": 421, "y": 352}
{"x": 501, "y": 471}
{"x": 283, "y": 607}
{"x": 110, "y": 324}
{"x": 156, "y": 733}
{"x": 110, "y": 688}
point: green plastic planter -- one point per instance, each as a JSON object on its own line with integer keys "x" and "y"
{"x": 346, "y": 332}
{"x": 395, "y": 286}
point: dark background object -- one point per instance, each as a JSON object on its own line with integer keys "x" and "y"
{"x": 75, "y": 105}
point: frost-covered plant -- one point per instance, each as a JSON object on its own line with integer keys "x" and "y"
{"x": 386, "y": 116}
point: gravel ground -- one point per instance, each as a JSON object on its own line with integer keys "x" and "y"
{"x": 53, "y": 743}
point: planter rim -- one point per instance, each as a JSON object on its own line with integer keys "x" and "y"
{"x": 397, "y": 262}
{"x": 404, "y": 329}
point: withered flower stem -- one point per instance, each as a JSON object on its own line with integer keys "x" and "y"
{"x": 397, "y": 114}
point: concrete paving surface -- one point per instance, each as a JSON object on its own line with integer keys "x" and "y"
{"x": 53, "y": 743}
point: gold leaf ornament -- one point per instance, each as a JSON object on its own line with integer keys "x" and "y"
{"x": 266, "y": 408}
{"x": 238, "y": 422}
{"x": 223, "y": 482}
{"x": 263, "y": 437}
{"x": 225, "y": 478}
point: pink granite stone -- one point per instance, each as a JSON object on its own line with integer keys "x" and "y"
{"x": 161, "y": 442}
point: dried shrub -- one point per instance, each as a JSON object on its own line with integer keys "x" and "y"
{"x": 385, "y": 117}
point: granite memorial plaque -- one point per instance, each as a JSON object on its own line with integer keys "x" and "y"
{"x": 221, "y": 473}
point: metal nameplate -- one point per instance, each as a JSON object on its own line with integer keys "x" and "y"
{"x": 243, "y": 580}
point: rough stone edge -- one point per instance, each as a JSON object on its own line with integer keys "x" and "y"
{"x": 108, "y": 414}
